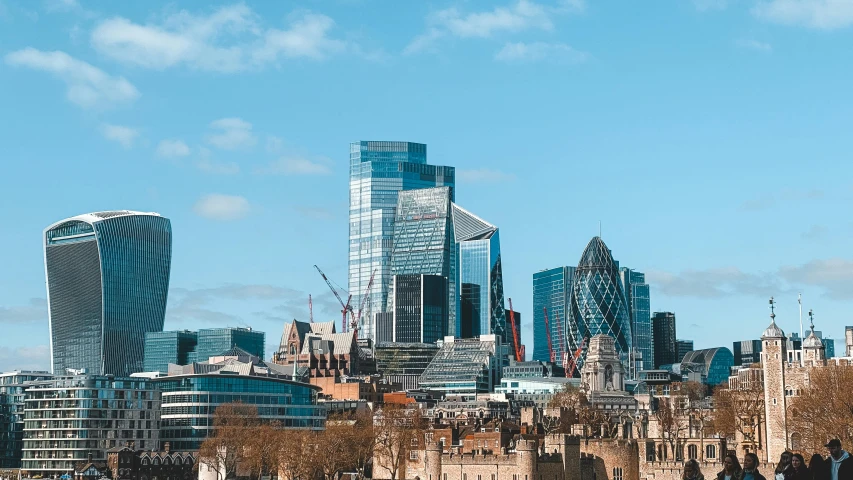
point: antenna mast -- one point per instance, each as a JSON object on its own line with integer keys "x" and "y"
{"x": 800, "y": 301}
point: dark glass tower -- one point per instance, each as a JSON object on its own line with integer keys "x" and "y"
{"x": 420, "y": 308}
{"x": 213, "y": 342}
{"x": 597, "y": 304}
{"x": 107, "y": 283}
{"x": 666, "y": 348}
{"x": 551, "y": 290}
{"x": 639, "y": 309}
{"x": 163, "y": 348}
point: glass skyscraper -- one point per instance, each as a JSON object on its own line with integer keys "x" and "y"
{"x": 552, "y": 289}
{"x": 378, "y": 172}
{"x": 420, "y": 308}
{"x": 423, "y": 241}
{"x": 639, "y": 308}
{"x": 213, "y": 342}
{"x": 163, "y": 348}
{"x": 107, "y": 283}
{"x": 597, "y": 303}
{"x": 480, "y": 276}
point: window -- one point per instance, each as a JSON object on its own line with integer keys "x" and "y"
{"x": 617, "y": 473}
{"x": 413, "y": 455}
{"x": 692, "y": 452}
{"x": 710, "y": 452}
{"x": 796, "y": 441}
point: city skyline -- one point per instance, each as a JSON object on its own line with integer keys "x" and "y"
{"x": 248, "y": 154}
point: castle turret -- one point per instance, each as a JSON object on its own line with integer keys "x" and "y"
{"x": 773, "y": 358}
{"x": 527, "y": 450}
{"x": 814, "y": 352}
{"x": 432, "y": 461}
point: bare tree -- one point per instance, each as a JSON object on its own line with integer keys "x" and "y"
{"x": 824, "y": 409}
{"x": 670, "y": 422}
{"x": 296, "y": 454}
{"x": 739, "y": 410}
{"x": 397, "y": 430}
{"x": 698, "y": 409}
{"x": 225, "y": 449}
{"x": 261, "y": 452}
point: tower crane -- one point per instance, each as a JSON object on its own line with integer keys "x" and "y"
{"x": 519, "y": 356}
{"x": 548, "y": 334}
{"x": 356, "y": 321}
{"x": 564, "y": 341}
{"x": 345, "y": 307}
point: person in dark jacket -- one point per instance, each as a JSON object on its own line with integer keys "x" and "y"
{"x": 750, "y": 468}
{"x": 731, "y": 468}
{"x": 783, "y": 465}
{"x": 798, "y": 469}
{"x": 817, "y": 467}
{"x": 839, "y": 464}
{"x": 692, "y": 471}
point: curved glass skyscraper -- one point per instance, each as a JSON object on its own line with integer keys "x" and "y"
{"x": 107, "y": 283}
{"x": 597, "y": 303}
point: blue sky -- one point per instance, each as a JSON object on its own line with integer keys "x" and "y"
{"x": 710, "y": 137}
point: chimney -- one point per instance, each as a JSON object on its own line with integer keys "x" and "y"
{"x": 89, "y": 457}
{"x": 167, "y": 446}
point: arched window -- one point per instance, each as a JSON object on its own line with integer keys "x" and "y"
{"x": 293, "y": 349}
{"x": 617, "y": 473}
{"x": 167, "y": 461}
{"x": 146, "y": 461}
{"x": 710, "y": 452}
{"x": 692, "y": 452}
{"x": 188, "y": 460}
{"x": 156, "y": 461}
{"x": 796, "y": 441}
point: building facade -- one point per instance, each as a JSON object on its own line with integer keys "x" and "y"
{"x": 551, "y": 291}
{"x": 666, "y": 346}
{"x": 746, "y": 352}
{"x": 714, "y": 364}
{"x": 420, "y": 308}
{"x": 404, "y": 363}
{"x": 191, "y": 394}
{"x": 316, "y": 350}
{"x": 69, "y": 418}
{"x": 481, "y": 289}
{"x": 597, "y": 302}
{"x": 214, "y": 341}
{"x": 163, "y": 348}
{"x": 465, "y": 366}
{"x": 424, "y": 241}
{"x": 107, "y": 282}
{"x": 682, "y": 348}
{"x": 12, "y": 405}
{"x": 378, "y": 172}
{"x": 639, "y": 308}
{"x": 128, "y": 463}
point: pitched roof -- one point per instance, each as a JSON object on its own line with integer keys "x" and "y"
{"x": 467, "y": 226}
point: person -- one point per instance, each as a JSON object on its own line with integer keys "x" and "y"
{"x": 817, "y": 467}
{"x": 750, "y": 468}
{"x": 692, "y": 471}
{"x": 798, "y": 469}
{"x": 731, "y": 468}
{"x": 839, "y": 463}
{"x": 784, "y": 464}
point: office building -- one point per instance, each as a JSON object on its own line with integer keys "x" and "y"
{"x": 12, "y": 386}
{"x": 233, "y": 376}
{"x": 424, "y": 241}
{"x": 378, "y": 172}
{"x": 531, "y": 369}
{"x": 163, "y": 348}
{"x": 639, "y": 309}
{"x": 482, "y": 308}
{"x": 713, "y": 364}
{"x": 682, "y": 348}
{"x": 404, "y": 363}
{"x": 551, "y": 291}
{"x": 464, "y": 366}
{"x": 214, "y": 341}
{"x": 828, "y": 344}
{"x": 597, "y": 304}
{"x": 69, "y": 417}
{"x": 107, "y": 283}
{"x": 666, "y": 346}
{"x": 420, "y": 308}
{"x": 746, "y": 352}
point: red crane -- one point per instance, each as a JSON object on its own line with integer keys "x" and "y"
{"x": 573, "y": 363}
{"x": 548, "y": 333}
{"x": 519, "y": 356}
{"x": 310, "y": 309}
{"x": 366, "y": 298}
{"x": 563, "y": 340}
{"x": 345, "y": 307}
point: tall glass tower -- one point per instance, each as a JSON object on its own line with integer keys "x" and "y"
{"x": 552, "y": 289}
{"x": 424, "y": 243}
{"x": 107, "y": 282}
{"x": 480, "y": 277}
{"x": 378, "y": 172}
{"x": 597, "y": 303}
{"x": 639, "y": 308}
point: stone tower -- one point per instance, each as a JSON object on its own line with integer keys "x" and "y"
{"x": 773, "y": 358}
{"x": 602, "y": 370}
{"x": 432, "y": 461}
{"x": 528, "y": 452}
{"x": 814, "y": 352}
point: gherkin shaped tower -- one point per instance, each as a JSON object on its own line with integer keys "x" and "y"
{"x": 597, "y": 303}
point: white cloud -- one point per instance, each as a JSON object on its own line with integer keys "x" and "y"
{"x": 818, "y": 14}
{"x": 234, "y": 133}
{"x": 833, "y": 275}
{"x": 483, "y": 175}
{"x": 172, "y": 148}
{"x": 751, "y": 44}
{"x": 117, "y": 133}
{"x": 222, "y": 207}
{"x": 532, "y": 52}
{"x": 423, "y": 42}
{"x": 34, "y": 311}
{"x": 34, "y": 358}
{"x": 208, "y": 166}
{"x": 228, "y": 40}
{"x": 294, "y": 166}
{"x": 88, "y": 86}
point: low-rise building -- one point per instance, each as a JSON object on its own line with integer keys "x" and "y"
{"x": 404, "y": 363}
{"x": 12, "y": 386}
{"x": 128, "y": 463}
{"x": 316, "y": 350}
{"x": 465, "y": 366}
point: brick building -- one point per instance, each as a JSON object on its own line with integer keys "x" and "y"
{"x": 127, "y": 463}
{"x": 316, "y": 350}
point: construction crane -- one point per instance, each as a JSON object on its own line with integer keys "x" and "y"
{"x": 548, "y": 333}
{"x": 563, "y": 340}
{"x": 519, "y": 355}
{"x": 310, "y": 309}
{"x": 345, "y": 307}
{"x": 573, "y": 363}
{"x": 366, "y": 298}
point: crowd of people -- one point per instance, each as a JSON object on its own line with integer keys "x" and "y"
{"x": 792, "y": 466}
